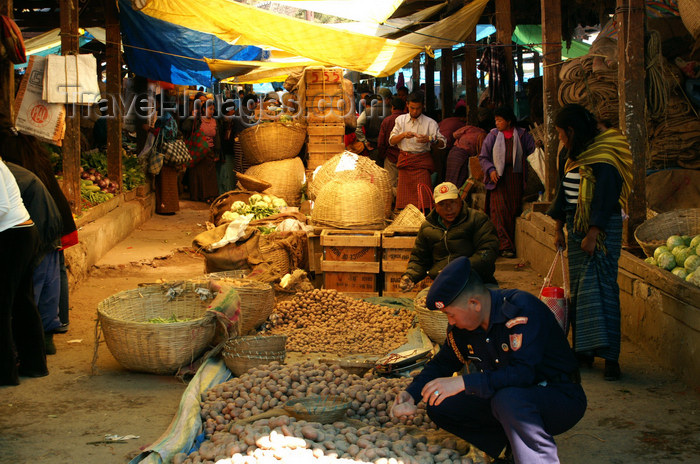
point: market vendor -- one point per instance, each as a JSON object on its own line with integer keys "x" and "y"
{"x": 452, "y": 230}
{"x": 414, "y": 133}
{"x": 522, "y": 386}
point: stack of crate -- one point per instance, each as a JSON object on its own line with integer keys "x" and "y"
{"x": 324, "y": 108}
{"x": 396, "y": 251}
{"x": 350, "y": 262}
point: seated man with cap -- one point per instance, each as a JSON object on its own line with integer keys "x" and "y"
{"x": 452, "y": 230}
{"x": 522, "y": 386}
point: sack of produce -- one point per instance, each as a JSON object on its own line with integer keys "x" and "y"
{"x": 346, "y": 166}
{"x": 349, "y": 204}
{"x": 285, "y": 176}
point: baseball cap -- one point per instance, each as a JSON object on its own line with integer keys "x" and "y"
{"x": 445, "y": 191}
{"x": 449, "y": 283}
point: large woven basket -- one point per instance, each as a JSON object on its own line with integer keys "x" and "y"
{"x": 408, "y": 220}
{"x": 653, "y": 232}
{"x": 349, "y": 204}
{"x": 272, "y": 141}
{"x": 349, "y": 166}
{"x": 257, "y": 299}
{"x": 689, "y": 11}
{"x": 244, "y": 353}
{"x": 323, "y": 409}
{"x": 433, "y": 323}
{"x": 252, "y": 183}
{"x": 285, "y": 176}
{"x": 158, "y": 348}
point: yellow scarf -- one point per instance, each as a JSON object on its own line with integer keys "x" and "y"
{"x": 608, "y": 147}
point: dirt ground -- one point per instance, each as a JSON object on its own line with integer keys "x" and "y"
{"x": 647, "y": 417}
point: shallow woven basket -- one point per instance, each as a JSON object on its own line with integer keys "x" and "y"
{"x": 244, "y": 353}
{"x": 285, "y": 176}
{"x": 158, "y": 348}
{"x": 272, "y": 141}
{"x": 323, "y": 409}
{"x": 252, "y": 183}
{"x": 653, "y": 232}
{"x": 409, "y": 219}
{"x": 349, "y": 166}
{"x": 257, "y": 299}
{"x": 351, "y": 204}
{"x": 433, "y": 323}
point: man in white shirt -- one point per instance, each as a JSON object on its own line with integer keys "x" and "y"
{"x": 414, "y": 133}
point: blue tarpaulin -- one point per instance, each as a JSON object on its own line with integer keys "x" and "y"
{"x": 163, "y": 51}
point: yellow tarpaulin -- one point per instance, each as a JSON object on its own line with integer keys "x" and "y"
{"x": 450, "y": 31}
{"x": 244, "y": 25}
{"x": 224, "y": 69}
{"x": 376, "y": 11}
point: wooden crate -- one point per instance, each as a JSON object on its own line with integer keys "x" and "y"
{"x": 396, "y": 251}
{"x": 317, "y": 159}
{"x": 391, "y": 285}
{"x": 315, "y": 252}
{"x": 351, "y": 261}
{"x": 320, "y": 75}
{"x": 326, "y": 139}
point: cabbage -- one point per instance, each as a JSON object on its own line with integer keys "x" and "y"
{"x": 229, "y": 216}
{"x": 267, "y": 199}
{"x": 681, "y": 253}
{"x": 693, "y": 278}
{"x": 695, "y": 242}
{"x": 666, "y": 261}
{"x": 651, "y": 261}
{"x": 255, "y": 198}
{"x": 686, "y": 239}
{"x": 238, "y": 206}
{"x": 660, "y": 250}
{"x": 679, "y": 272}
{"x": 673, "y": 241}
{"x": 692, "y": 263}
{"x": 279, "y": 203}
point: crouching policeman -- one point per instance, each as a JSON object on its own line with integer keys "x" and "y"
{"x": 523, "y": 387}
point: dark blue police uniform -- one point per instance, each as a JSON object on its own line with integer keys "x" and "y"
{"x": 523, "y": 383}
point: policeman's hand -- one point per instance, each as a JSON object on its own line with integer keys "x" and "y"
{"x": 403, "y": 406}
{"x": 405, "y": 284}
{"x": 438, "y": 389}
{"x": 494, "y": 176}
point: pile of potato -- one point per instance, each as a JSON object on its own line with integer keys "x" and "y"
{"x": 272, "y": 385}
{"x": 328, "y": 321}
{"x": 284, "y": 439}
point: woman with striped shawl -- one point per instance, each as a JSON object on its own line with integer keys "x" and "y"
{"x": 596, "y": 176}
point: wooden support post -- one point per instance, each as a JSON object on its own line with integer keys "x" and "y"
{"x": 630, "y": 14}
{"x": 536, "y": 62}
{"x": 71, "y": 140}
{"x": 551, "y": 50}
{"x": 446, "y": 88}
{"x": 114, "y": 89}
{"x": 429, "y": 86}
{"x": 470, "y": 79}
{"x": 504, "y": 34}
{"x": 7, "y": 72}
{"x": 415, "y": 79}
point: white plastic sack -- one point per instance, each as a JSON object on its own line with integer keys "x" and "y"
{"x": 234, "y": 231}
{"x": 536, "y": 160}
{"x": 71, "y": 79}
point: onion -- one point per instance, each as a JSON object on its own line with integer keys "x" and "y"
{"x": 84, "y": 175}
{"x": 102, "y": 184}
{"x": 92, "y": 178}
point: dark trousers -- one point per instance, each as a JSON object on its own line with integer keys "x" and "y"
{"x": 21, "y": 332}
{"x": 527, "y": 418}
{"x": 63, "y": 303}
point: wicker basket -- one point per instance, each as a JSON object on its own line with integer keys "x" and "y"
{"x": 408, "y": 220}
{"x": 433, "y": 323}
{"x": 689, "y": 11}
{"x": 323, "y": 409}
{"x": 244, "y": 353}
{"x": 252, "y": 183}
{"x": 653, "y": 232}
{"x": 139, "y": 345}
{"x": 257, "y": 298}
{"x": 285, "y": 176}
{"x": 272, "y": 141}
{"x": 349, "y": 166}
{"x": 223, "y": 203}
{"x": 275, "y": 254}
{"x": 351, "y": 204}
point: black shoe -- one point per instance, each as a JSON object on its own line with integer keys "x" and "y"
{"x": 584, "y": 360}
{"x": 61, "y": 329}
{"x": 612, "y": 370}
{"x": 48, "y": 343}
{"x": 33, "y": 372}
